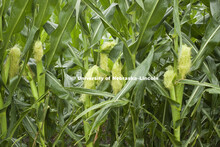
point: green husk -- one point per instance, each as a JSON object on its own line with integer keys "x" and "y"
{"x": 104, "y": 60}
{"x": 90, "y": 84}
{"x": 117, "y": 85}
{"x": 184, "y": 61}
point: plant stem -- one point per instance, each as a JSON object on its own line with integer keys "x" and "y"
{"x": 41, "y": 91}
{"x": 179, "y": 94}
{"x": 179, "y": 97}
{"x": 32, "y": 84}
{"x": 40, "y": 78}
{"x": 3, "y": 119}
{"x": 175, "y": 114}
{"x": 176, "y": 117}
{"x": 36, "y": 96}
{"x": 87, "y": 126}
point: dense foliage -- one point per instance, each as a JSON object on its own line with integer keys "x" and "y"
{"x": 47, "y": 47}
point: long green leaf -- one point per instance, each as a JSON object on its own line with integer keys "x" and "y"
{"x": 151, "y": 6}
{"x": 176, "y": 20}
{"x": 212, "y": 122}
{"x": 153, "y": 9}
{"x": 17, "y": 16}
{"x": 213, "y": 91}
{"x": 77, "y": 9}
{"x": 30, "y": 128}
{"x": 214, "y": 7}
{"x": 160, "y": 86}
{"x": 190, "y": 139}
{"x": 140, "y": 71}
{"x": 46, "y": 7}
{"x": 98, "y": 27}
{"x": 76, "y": 58}
{"x": 2, "y": 6}
{"x": 56, "y": 87}
{"x": 140, "y": 3}
{"x": 210, "y": 40}
{"x": 89, "y": 91}
{"x": 192, "y": 82}
{"x": 66, "y": 22}
{"x": 194, "y": 97}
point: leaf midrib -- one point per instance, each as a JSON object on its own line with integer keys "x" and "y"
{"x": 43, "y": 13}
{"x": 59, "y": 38}
{"x": 100, "y": 24}
{"x": 14, "y": 26}
{"x": 145, "y": 26}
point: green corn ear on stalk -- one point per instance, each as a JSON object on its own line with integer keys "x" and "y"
{"x": 169, "y": 76}
{"x": 14, "y": 56}
{"x": 108, "y": 45}
{"x": 104, "y": 62}
{"x": 105, "y": 48}
{"x": 91, "y": 84}
{"x": 184, "y": 61}
{"x": 117, "y": 85}
{"x": 92, "y": 72}
{"x": 86, "y": 99}
{"x": 38, "y": 51}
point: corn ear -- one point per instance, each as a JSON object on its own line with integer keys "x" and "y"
{"x": 117, "y": 85}
{"x": 169, "y": 76}
{"x": 184, "y": 61}
{"x": 108, "y": 45}
{"x": 104, "y": 60}
{"x": 14, "y": 56}
{"x": 38, "y": 51}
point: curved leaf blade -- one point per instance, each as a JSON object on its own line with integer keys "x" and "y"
{"x": 89, "y": 91}
{"x": 141, "y": 70}
{"x": 210, "y": 40}
{"x": 67, "y": 21}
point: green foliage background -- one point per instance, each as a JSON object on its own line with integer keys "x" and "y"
{"x": 72, "y": 32}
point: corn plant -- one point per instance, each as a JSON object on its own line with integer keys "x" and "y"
{"x": 134, "y": 73}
